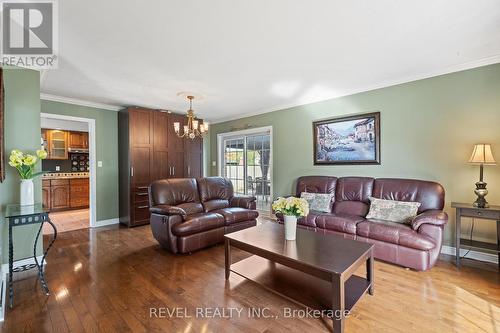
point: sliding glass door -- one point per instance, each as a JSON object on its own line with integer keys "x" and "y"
{"x": 246, "y": 161}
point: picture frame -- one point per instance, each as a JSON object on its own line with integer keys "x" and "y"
{"x": 347, "y": 140}
{"x": 2, "y": 129}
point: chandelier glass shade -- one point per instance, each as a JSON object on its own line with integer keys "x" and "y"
{"x": 193, "y": 128}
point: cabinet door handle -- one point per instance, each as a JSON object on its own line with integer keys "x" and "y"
{"x": 131, "y": 171}
{"x": 189, "y": 170}
{"x": 170, "y": 170}
{"x": 142, "y": 194}
{"x": 142, "y": 207}
{"x": 173, "y": 171}
{"x": 142, "y": 187}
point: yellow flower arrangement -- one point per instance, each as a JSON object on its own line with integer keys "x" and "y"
{"x": 291, "y": 206}
{"x": 25, "y": 163}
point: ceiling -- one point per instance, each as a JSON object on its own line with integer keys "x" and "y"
{"x": 248, "y": 57}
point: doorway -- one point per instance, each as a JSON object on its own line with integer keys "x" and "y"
{"x": 245, "y": 157}
{"x": 69, "y": 180}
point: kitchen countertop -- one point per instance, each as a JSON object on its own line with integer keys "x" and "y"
{"x": 65, "y": 175}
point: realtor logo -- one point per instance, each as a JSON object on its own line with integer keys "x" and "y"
{"x": 29, "y": 34}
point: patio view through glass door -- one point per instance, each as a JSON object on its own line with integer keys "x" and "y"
{"x": 246, "y": 161}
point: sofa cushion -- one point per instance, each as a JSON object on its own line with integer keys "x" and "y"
{"x": 321, "y": 202}
{"x": 339, "y": 222}
{"x": 392, "y": 210}
{"x": 197, "y": 223}
{"x": 191, "y": 207}
{"x": 237, "y": 214}
{"x": 429, "y": 194}
{"x": 395, "y": 233}
{"x": 215, "y": 204}
{"x": 316, "y": 184}
{"x": 352, "y": 195}
{"x": 308, "y": 221}
{"x": 173, "y": 191}
{"x": 211, "y": 188}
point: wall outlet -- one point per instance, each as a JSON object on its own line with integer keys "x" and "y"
{"x": 99, "y": 164}
{"x": 58, "y": 168}
{"x": 214, "y": 163}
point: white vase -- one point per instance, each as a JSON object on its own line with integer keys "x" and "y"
{"x": 27, "y": 192}
{"x": 290, "y": 227}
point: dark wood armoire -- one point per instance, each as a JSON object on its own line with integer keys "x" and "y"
{"x": 149, "y": 149}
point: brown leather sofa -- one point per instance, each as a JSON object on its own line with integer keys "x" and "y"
{"x": 416, "y": 245}
{"x": 188, "y": 214}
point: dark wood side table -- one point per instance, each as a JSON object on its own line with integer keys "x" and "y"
{"x": 468, "y": 210}
{"x": 18, "y": 215}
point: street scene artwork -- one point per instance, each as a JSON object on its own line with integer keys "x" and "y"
{"x": 348, "y": 140}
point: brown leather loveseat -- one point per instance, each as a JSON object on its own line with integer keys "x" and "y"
{"x": 188, "y": 214}
{"x": 415, "y": 245}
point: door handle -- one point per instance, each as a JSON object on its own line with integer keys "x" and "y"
{"x": 131, "y": 171}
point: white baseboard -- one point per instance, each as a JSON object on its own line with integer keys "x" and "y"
{"x": 103, "y": 223}
{"x": 476, "y": 255}
{"x": 4, "y": 270}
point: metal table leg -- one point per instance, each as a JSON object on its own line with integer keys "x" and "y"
{"x": 41, "y": 266}
{"x": 11, "y": 268}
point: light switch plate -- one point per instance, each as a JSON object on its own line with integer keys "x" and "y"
{"x": 99, "y": 164}
{"x": 214, "y": 163}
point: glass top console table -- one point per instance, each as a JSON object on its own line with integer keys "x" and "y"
{"x": 17, "y": 215}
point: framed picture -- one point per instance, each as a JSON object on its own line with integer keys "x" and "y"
{"x": 347, "y": 140}
{"x": 2, "y": 142}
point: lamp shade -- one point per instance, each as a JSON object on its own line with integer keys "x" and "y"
{"x": 482, "y": 154}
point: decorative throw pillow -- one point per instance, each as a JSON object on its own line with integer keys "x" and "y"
{"x": 318, "y": 201}
{"x": 393, "y": 211}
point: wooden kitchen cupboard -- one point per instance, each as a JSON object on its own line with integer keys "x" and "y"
{"x": 149, "y": 150}
{"x": 56, "y": 143}
{"x": 78, "y": 140}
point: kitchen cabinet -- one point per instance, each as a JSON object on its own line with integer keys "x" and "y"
{"x": 59, "y": 194}
{"x": 79, "y": 192}
{"x": 64, "y": 194}
{"x": 46, "y": 193}
{"x": 78, "y": 140}
{"x": 57, "y": 142}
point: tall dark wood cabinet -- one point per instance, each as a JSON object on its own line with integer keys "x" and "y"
{"x": 193, "y": 158}
{"x": 150, "y": 150}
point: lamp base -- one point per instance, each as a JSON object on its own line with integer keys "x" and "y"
{"x": 481, "y": 192}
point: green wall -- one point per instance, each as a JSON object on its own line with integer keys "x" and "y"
{"x": 428, "y": 128}
{"x": 106, "y": 123}
{"x": 22, "y": 131}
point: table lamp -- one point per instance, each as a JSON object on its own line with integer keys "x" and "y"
{"x": 481, "y": 155}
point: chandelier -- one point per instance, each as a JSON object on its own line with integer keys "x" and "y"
{"x": 193, "y": 128}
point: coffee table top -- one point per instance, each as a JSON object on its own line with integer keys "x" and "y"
{"x": 330, "y": 253}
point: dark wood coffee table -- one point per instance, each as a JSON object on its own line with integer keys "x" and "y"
{"x": 315, "y": 270}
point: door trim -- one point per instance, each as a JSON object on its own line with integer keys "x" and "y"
{"x": 92, "y": 156}
{"x": 250, "y": 131}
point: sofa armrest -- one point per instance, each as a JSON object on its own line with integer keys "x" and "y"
{"x": 168, "y": 210}
{"x": 432, "y": 216}
{"x": 243, "y": 201}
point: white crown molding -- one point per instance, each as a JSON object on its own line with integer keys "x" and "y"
{"x": 75, "y": 101}
{"x": 448, "y": 70}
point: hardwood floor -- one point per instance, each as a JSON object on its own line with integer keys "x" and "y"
{"x": 108, "y": 279}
